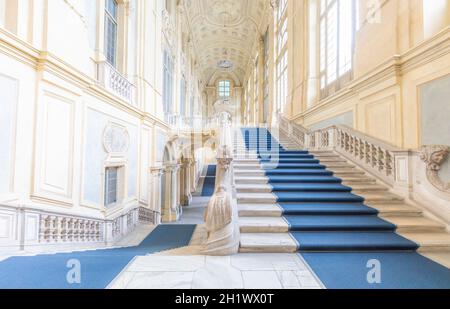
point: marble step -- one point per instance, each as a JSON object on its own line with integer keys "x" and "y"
{"x": 364, "y": 188}
{"x": 415, "y": 224}
{"x": 267, "y": 188}
{"x": 274, "y": 210}
{"x": 269, "y": 198}
{"x": 251, "y": 198}
{"x": 430, "y": 242}
{"x": 267, "y": 165}
{"x": 382, "y": 198}
{"x": 267, "y": 243}
{"x": 441, "y": 257}
{"x": 351, "y": 181}
{"x": 263, "y": 225}
{"x": 401, "y": 209}
{"x": 280, "y": 225}
{"x": 251, "y": 180}
{"x": 259, "y": 210}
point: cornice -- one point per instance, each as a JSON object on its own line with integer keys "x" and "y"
{"x": 42, "y": 61}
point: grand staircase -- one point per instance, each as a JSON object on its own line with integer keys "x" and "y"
{"x": 292, "y": 200}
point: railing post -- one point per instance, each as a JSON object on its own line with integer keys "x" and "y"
{"x": 221, "y": 214}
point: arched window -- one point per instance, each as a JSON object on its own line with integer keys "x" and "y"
{"x": 224, "y": 89}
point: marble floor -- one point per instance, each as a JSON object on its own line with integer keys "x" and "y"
{"x": 241, "y": 271}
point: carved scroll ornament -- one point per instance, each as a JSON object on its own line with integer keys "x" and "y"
{"x": 434, "y": 157}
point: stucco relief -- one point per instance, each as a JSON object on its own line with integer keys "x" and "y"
{"x": 116, "y": 139}
{"x": 434, "y": 157}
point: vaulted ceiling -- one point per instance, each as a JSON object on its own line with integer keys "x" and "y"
{"x": 224, "y": 30}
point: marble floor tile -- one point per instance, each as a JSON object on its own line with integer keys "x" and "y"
{"x": 161, "y": 280}
{"x": 160, "y": 263}
{"x": 261, "y": 280}
{"x": 241, "y": 271}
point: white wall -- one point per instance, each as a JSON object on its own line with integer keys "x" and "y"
{"x": 435, "y": 120}
{"x": 8, "y": 104}
{"x": 2, "y": 12}
{"x": 95, "y": 155}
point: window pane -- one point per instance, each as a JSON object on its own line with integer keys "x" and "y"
{"x": 111, "y": 8}
{"x": 345, "y": 36}
{"x": 111, "y": 186}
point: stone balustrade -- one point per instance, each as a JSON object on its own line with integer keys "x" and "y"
{"x": 413, "y": 174}
{"x": 115, "y": 82}
{"x": 389, "y": 163}
{"x": 36, "y": 227}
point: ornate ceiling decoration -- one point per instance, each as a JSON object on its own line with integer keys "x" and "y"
{"x": 224, "y": 30}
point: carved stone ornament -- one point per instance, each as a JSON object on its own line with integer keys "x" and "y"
{"x": 168, "y": 27}
{"x": 116, "y": 139}
{"x": 434, "y": 157}
{"x": 218, "y": 213}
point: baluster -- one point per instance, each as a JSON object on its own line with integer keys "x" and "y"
{"x": 82, "y": 230}
{"x": 361, "y": 149}
{"x": 389, "y": 167}
{"x": 367, "y": 153}
{"x": 70, "y": 229}
{"x": 380, "y": 159}
{"x": 76, "y": 230}
{"x": 373, "y": 153}
{"x": 63, "y": 229}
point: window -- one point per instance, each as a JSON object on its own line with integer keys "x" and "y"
{"x": 337, "y": 31}
{"x": 224, "y": 89}
{"x": 111, "y": 32}
{"x": 266, "y": 78}
{"x": 255, "y": 78}
{"x": 281, "y": 55}
{"x": 183, "y": 96}
{"x": 167, "y": 83}
{"x": 111, "y": 181}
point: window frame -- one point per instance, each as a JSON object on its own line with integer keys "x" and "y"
{"x": 340, "y": 78}
{"x": 168, "y": 76}
{"x": 224, "y": 89}
{"x": 281, "y": 51}
{"x": 111, "y": 19}
{"x": 109, "y": 203}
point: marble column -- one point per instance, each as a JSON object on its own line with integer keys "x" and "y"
{"x": 193, "y": 175}
{"x": 171, "y": 211}
{"x": 186, "y": 196}
{"x": 155, "y": 192}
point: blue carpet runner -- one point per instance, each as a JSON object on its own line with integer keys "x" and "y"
{"x": 98, "y": 267}
{"x": 210, "y": 181}
{"x": 336, "y": 231}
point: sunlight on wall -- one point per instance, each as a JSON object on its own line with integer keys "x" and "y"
{"x": 2, "y": 13}
{"x": 436, "y": 15}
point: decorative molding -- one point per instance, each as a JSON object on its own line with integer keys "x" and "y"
{"x": 116, "y": 139}
{"x": 434, "y": 157}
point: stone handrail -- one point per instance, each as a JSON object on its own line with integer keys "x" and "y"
{"x": 411, "y": 174}
{"x": 221, "y": 216}
{"x": 386, "y": 161}
{"x": 112, "y": 80}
